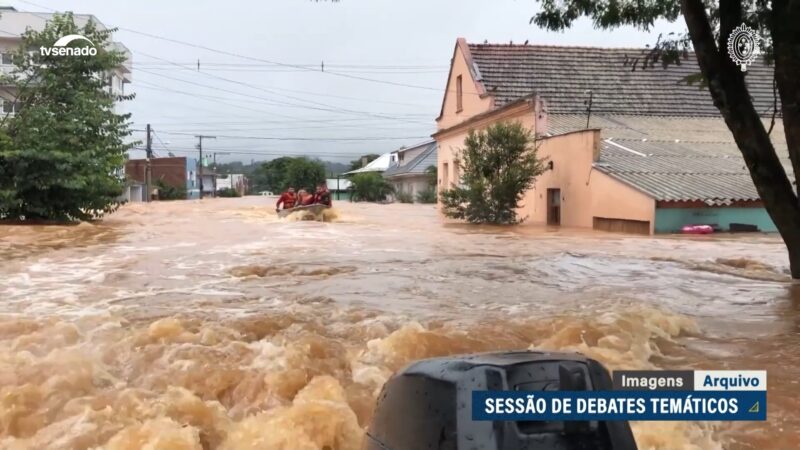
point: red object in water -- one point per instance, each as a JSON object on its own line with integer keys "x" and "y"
{"x": 697, "y": 229}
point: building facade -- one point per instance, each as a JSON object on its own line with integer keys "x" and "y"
{"x": 408, "y": 169}
{"x": 626, "y": 150}
{"x": 179, "y": 172}
{"x": 236, "y": 181}
{"x": 14, "y": 23}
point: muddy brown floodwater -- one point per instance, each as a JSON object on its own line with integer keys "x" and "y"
{"x": 216, "y": 325}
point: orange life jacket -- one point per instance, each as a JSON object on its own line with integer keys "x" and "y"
{"x": 288, "y": 200}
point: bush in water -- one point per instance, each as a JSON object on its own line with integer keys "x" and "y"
{"x": 167, "y": 192}
{"x": 404, "y": 197}
{"x": 499, "y": 165}
{"x": 369, "y": 187}
{"x": 427, "y": 196}
{"x": 228, "y": 193}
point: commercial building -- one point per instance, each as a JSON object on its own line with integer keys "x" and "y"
{"x": 178, "y": 172}
{"x": 628, "y": 148}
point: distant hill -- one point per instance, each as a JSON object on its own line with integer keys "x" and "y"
{"x": 335, "y": 168}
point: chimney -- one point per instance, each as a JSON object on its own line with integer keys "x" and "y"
{"x": 540, "y": 110}
{"x": 596, "y": 145}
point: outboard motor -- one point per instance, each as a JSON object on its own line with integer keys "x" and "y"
{"x": 428, "y": 405}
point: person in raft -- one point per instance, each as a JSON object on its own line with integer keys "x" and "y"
{"x": 323, "y": 196}
{"x": 287, "y": 199}
{"x": 304, "y": 198}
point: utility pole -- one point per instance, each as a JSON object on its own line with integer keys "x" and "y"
{"x": 148, "y": 171}
{"x": 200, "y": 163}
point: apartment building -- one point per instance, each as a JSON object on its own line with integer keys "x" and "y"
{"x": 14, "y": 23}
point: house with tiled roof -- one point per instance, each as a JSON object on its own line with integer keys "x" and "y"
{"x": 408, "y": 169}
{"x": 631, "y": 146}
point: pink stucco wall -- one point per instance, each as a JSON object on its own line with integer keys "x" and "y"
{"x": 474, "y": 100}
{"x": 613, "y": 199}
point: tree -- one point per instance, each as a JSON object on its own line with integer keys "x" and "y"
{"x": 269, "y": 176}
{"x": 363, "y": 161}
{"x": 500, "y": 164}
{"x": 369, "y": 187}
{"x": 429, "y": 195}
{"x": 66, "y": 143}
{"x": 710, "y": 24}
{"x": 432, "y": 172}
{"x": 304, "y": 173}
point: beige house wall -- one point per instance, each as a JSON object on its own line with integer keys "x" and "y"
{"x": 474, "y": 98}
{"x": 613, "y": 199}
{"x": 572, "y": 156}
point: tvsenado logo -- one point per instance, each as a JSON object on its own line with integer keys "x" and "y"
{"x": 60, "y": 47}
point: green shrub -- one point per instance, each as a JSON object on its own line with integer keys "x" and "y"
{"x": 427, "y": 196}
{"x": 404, "y": 197}
{"x": 167, "y": 192}
{"x": 228, "y": 193}
{"x": 369, "y": 187}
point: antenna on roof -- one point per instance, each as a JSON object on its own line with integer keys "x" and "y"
{"x": 511, "y": 42}
{"x": 588, "y": 104}
{"x": 485, "y": 41}
{"x": 526, "y": 42}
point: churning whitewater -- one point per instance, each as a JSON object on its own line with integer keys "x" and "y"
{"x": 216, "y": 325}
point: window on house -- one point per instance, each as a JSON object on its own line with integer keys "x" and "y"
{"x": 7, "y": 58}
{"x": 445, "y": 176}
{"x": 11, "y": 107}
{"x": 459, "y": 94}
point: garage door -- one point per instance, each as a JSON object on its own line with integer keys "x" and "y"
{"x": 622, "y": 225}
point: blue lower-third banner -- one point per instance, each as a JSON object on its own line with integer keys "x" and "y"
{"x": 619, "y": 405}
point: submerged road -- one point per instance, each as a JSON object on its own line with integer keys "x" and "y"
{"x": 216, "y": 325}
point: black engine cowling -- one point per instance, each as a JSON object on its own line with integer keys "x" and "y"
{"x": 428, "y": 405}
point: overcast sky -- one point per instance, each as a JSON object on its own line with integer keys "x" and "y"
{"x": 370, "y": 48}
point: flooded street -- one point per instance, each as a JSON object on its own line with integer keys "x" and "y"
{"x": 216, "y": 325}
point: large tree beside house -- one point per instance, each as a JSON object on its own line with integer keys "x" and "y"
{"x": 710, "y": 24}
{"x": 500, "y": 164}
{"x": 61, "y": 152}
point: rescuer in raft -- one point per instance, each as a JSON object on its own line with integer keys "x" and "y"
{"x": 304, "y": 198}
{"x": 323, "y": 196}
{"x": 287, "y": 199}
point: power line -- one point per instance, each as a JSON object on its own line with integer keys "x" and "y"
{"x": 278, "y": 103}
{"x": 304, "y": 127}
{"x": 268, "y": 153}
{"x": 325, "y": 107}
{"x": 362, "y": 120}
{"x": 192, "y": 69}
{"x": 271, "y": 138}
{"x": 262, "y": 60}
{"x": 281, "y": 70}
{"x": 221, "y": 100}
{"x": 314, "y": 65}
{"x": 223, "y": 52}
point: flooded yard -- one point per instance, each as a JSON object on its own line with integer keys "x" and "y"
{"x": 216, "y": 325}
